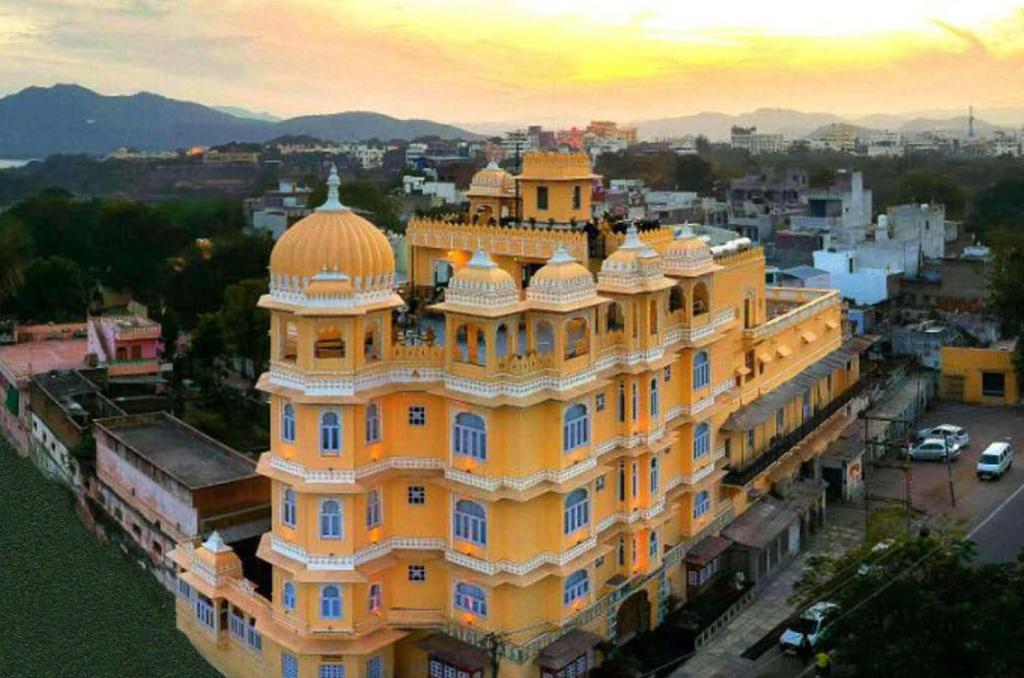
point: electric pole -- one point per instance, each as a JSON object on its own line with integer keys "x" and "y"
{"x": 494, "y": 647}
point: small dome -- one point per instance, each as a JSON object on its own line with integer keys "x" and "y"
{"x": 688, "y": 254}
{"x": 632, "y": 267}
{"x": 492, "y": 181}
{"x": 482, "y": 284}
{"x": 333, "y": 239}
{"x": 562, "y": 280}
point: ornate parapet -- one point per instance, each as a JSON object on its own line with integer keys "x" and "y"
{"x": 512, "y": 241}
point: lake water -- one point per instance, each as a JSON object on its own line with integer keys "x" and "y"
{"x": 10, "y": 164}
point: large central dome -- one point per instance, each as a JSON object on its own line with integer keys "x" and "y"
{"x": 333, "y": 239}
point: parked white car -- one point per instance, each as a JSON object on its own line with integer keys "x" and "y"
{"x": 956, "y": 434}
{"x": 995, "y": 460}
{"x": 809, "y": 624}
{"x": 934, "y": 449}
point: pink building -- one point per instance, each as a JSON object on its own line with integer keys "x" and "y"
{"x": 125, "y": 344}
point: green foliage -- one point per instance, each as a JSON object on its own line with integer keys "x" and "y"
{"x": 15, "y": 245}
{"x": 97, "y": 614}
{"x": 132, "y": 245}
{"x": 54, "y": 290}
{"x": 1007, "y": 279}
{"x": 244, "y": 326}
{"x": 364, "y": 195}
{"x": 693, "y": 173}
{"x": 921, "y": 186}
{"x": 921, "y": 608}
{"x": 1000, "y": 206}
{"x": 204, "y": 217}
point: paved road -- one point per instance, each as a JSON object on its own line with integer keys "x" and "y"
{"x": 1000, "y": 537}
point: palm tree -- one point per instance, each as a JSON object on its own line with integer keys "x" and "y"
{"x": 15, "y": 245}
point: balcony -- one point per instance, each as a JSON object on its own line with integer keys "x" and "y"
{"x": 782, "y": 446}
{"x": 822, "y": 300}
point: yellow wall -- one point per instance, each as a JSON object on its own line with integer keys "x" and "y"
{"x": 962, "y": 370}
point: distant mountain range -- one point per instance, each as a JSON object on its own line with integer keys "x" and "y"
{"x": 797, "y": 124}
{"x": 39, "y": 121}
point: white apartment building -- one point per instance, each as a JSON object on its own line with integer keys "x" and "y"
{"x": 748, "y": 139}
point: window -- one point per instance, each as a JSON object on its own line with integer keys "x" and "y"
{"x": 577, "y": 196}
{"x": 470, "y": 436}
{"x": 655, "y": 404}
{"x": 184, "y": 590}
{"x": 668, "y": 373}
{"x": 577, "y": 668}
{"x": 288, "y": 596}
{"x": 575, "y": 427}
{"x": 330, "y": 519}
{"x": 375, "y": 667}
{"x": 373, "y": 509}
{"x": 652, "y": 548}
{"x": 252, "y": 637}
{"x": 576, "y": 586}
{"x": 599, "y": 402}
{"x": 289, "y": 666}
{"x": 636, "y": 480}
{"x": 417, "y": 415}
{"x": 417, "y": 495}
{"x": 288, "y": 424}
{"x": 330, "y": 433}
{"x": 372, "y": 424}
{"x": 375, "y": 598}
{"x": 993, "y": 384}
{"x": 701, "y": 370}
{"x": 806, "y": 405}
{"x": 599, "y": 483}
{"x": 470, "y": 522}
{"x": 417, "y": 573}
{"x": 332, "y": 671}
{"x": 599, "y": 562}
{"x": 470, "y": 598}
{"x": 622, "y": 402}
{"x": 622, "y": 482}
{"x": 439, "y": 668}
{"x": 655, "y": 480}
{"x": 288, "y": 512}
{"x": 636, "y": 402}
{"x": 621, "y": 552}
{"x": 330, "y": 602}
{"x": 701, "y": 440}
{"x": 701, "y": 505}
{"x": 750, "y": 440}
{"x": 542, "y": 197}
{"x": 204, "y": 610}
{"x": 236, "y": 624}
{"x": 577, "y": 510}
{"x": 780, "y": 420}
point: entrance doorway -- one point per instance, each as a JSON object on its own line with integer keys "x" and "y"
{"x": 633, "y": 617}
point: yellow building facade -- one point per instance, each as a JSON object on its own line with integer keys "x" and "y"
{"x": 529, "y": 485}
{"x": 982, "y": 376}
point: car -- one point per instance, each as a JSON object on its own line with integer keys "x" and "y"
{"x": 876, "y": 553}
{"x": 809, "y": 624}
{"x": 995, "y": 460}
{"x": 956, "y": 434}
{"x": 934, "y": 449}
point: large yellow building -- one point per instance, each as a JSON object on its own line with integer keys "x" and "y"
{"x": 554, "y": 472}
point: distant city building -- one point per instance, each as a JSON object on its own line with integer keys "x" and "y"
{"x": 844, "y": 210}
{"x": 124, "y": 343}
{"x": 748, "y": 139}
{"x": 925, "y": 224}
{"x": 276, "y": 210}
{"x": 840, "y": 137}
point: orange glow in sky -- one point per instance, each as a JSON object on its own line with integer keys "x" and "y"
{"x": 463, "y": 61}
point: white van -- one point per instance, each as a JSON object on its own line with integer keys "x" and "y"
{"x": 995, "y": 460}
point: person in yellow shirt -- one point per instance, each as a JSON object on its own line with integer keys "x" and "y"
{"x": 823, "y": 663}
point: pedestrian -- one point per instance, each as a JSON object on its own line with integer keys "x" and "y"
{"x": 804, "y": 650}
{"x": 823, "y": 664}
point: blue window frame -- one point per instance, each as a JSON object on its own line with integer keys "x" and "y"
{"x": 470, "y": 522}
{"x": 470, "y": 598}
{"x": 375, "y": 667}
{"x": 469, "y": 436}
{"x": 330, "y": 602}
{"x": 652, "y": 548}
{"x": 330, "y": 519}
{"x": 204, "y": 611}
{"x": 372, "y": 424}
{"x": 288, "y": 424}
{"x": 577, "y": 510}
{"x": 655, "y": 398}
{"x": 374, "y": 514}
{"x": 577, "y": 585}
{"x": 288, "y": 510}
{"x": 701, "y": 440}
{"x": 376, "y": 598}
{"x": 701, "y": 370}
{"x": 702, "y": 504}
{"x": 655, "y": 475}
{"x": 575, "y": 427}
{"x": 289, "y": 666}
{"x": 332, "y": 671}
{"x": 288, "y": 596}
{"x": 330, "y": 433}
{"x": 236, "y": 624}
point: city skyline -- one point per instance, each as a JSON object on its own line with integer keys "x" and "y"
{"x": 559, "y": 60}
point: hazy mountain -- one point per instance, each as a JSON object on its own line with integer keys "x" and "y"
{"x": 40, "y": 121}
{"x": 246, "y": 114}
{"x": 879, "y": 121}
{"x": 824, "y": 129}
{"x": 717, "y": 126}
{"x": 957, "y": 126}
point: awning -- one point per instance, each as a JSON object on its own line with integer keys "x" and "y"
{"x": 765, "y": 357}
{"x": 803, "y": 494}
{"x": 809, "y": 337}
{"x": 707, "y": 550}
{"x": 455, "y": 652}
{"x": 784, "y": 351}
{"x": 760, "y": 524}
{"x": 743, "y": 370}
{"x": 832, "y": 324}
{"x": 567, "y": 648}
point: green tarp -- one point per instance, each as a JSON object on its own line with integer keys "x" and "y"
{"x": 12, "y": 400}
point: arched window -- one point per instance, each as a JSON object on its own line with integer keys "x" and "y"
{"x": 575, "y": 427}
{"x": 701, "y": 440}
{"x": 700, "y": 299}
{"x": 372, "y": 424}
{"x": 481, "y": 348}
{"x": 375, "y": 598}
{"x": 461, "y": 346}
{"x": 329, "y": 344}
{"x": 330, "y": 519}
{"x": 577, "y": 585}
{"x": 652, "y": 547}
{"x": 330, "y": 433}
{"x": 577, "y": 338}
{"x": 544, "y": 336}
{"x": 652, "y": 316}
{"x": 470, "y": 522}
{"x": 577, "y": 510}
{"x": 330, "y": 602}
{"x": 470, "y": 598}
{"x": 122, "y": 353}
{"x": 288, "y": 424}
{"x": 502, "y": 342}
{"x": 615, "y": 321}
{"x": 288, "y": 596}
{"x": 371, "y": 343}
{"x": 701, "y": 370}
{"x": 469, "y": 437}
{"x": 701, "y": 505}
{"x": 676, "y": 299}
{"x": 373, "y": 510}
{"x": 655, "y": 399}
{"x": 622, "y": 402}
{"x": 288, "y": 511}
{"x": 655, "y": 475}
{"x": 636, "y": 401}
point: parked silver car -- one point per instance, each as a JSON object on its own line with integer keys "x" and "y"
{"x": 956, "y": 434}
{"x": 934, "y": 449}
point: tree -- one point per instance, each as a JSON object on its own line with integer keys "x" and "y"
{"x": 55, "y": 290}
{"x": 694, "y": 173}
{"x": 1006, "y": 280}
{"x": 922, "y": 186}
{"x": 133, "y": 243}
{"x": 999, "y": 206}
{"x": 15, "y": 244}
{"x": 246, "y": 326}
{"x": 921, "y": 607}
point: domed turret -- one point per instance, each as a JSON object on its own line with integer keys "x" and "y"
{"x": 633, "y": 267}
{"x": 481, "y": 287}
{"x": 333, "y": 239}
{"x": 688, "y": 255}
{"x": 562, "y": 284}
{"x": 492, "y": 182}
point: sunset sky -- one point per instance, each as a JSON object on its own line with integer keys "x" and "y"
{"x": 462, "y": 61}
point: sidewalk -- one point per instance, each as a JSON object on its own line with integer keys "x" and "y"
{"x": 721, "y": 658}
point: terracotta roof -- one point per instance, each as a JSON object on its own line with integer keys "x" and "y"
{"x": 567, "y": 648}
{"x": 707, "y": 550}
{"x": 454, "y": 651}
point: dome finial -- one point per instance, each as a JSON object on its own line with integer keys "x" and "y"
{"x": 561, "y": 256}
{"x": 632, "y": 241}
{"x": 481, "y": 259}
{"x": 333, "y": 203}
